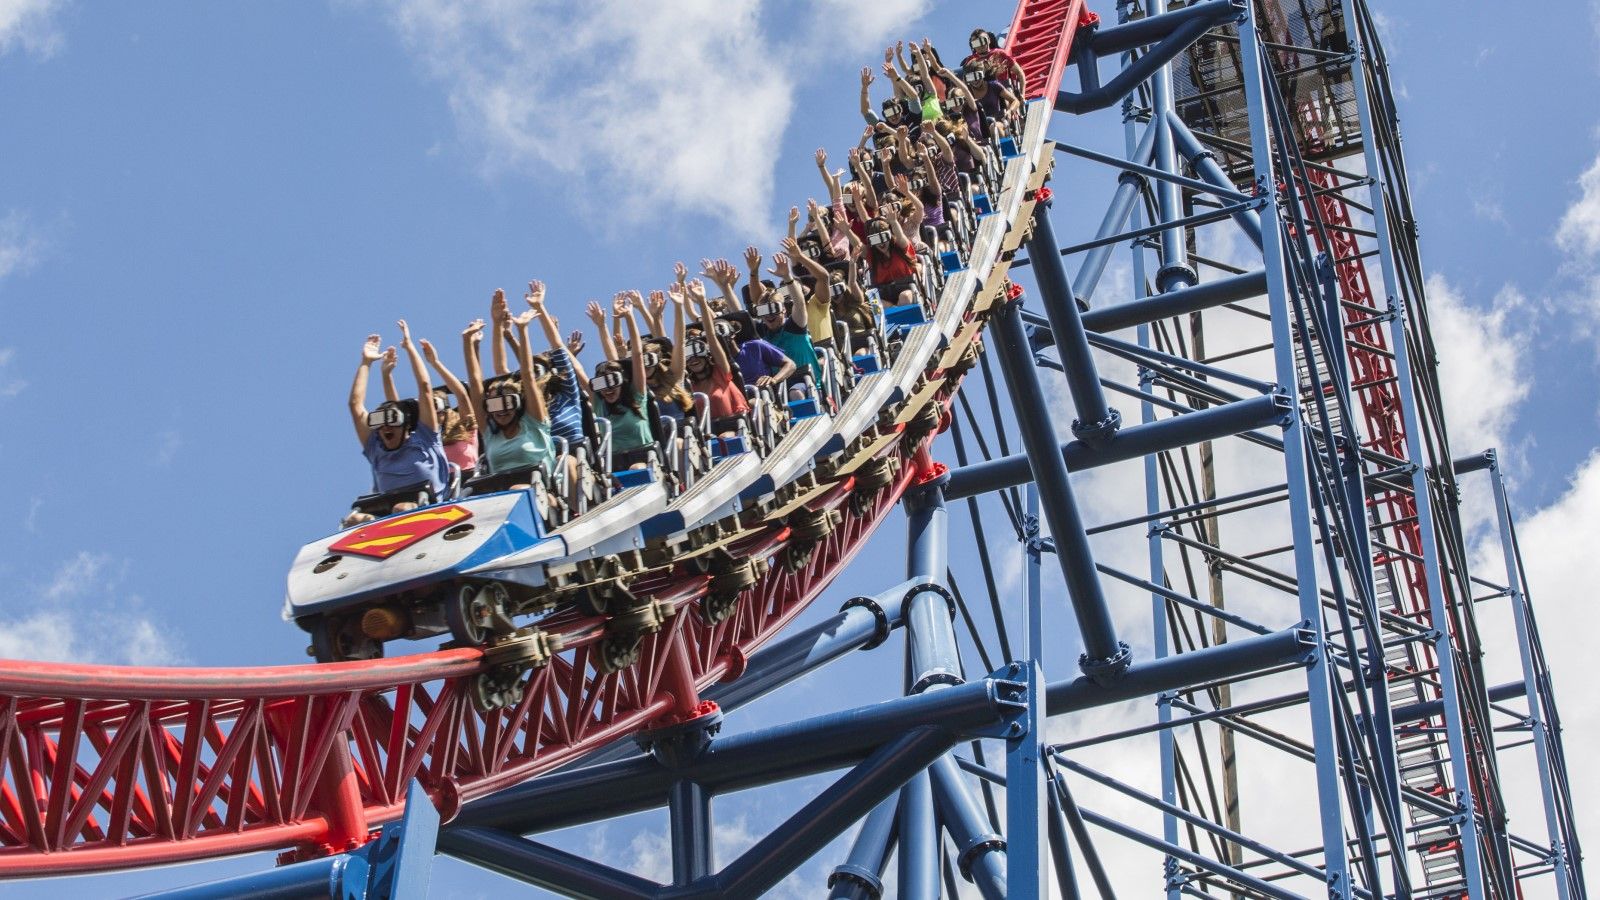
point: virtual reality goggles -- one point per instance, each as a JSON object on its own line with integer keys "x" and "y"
{"x": 763, "y": 310}
{"x": 837, "y": 288}
{"x": 605, "y": 381}
{"x": 975, "y": 75}
{"x": 695, "y": 347}
{"x": 392, "y": 416}
{"x": 502, "y": 403}
{"x": 879, "y": 238}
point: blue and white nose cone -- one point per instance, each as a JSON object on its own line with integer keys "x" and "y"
{"x": 408, "y": 550}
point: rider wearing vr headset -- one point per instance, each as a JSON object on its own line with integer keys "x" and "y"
{"x": 400, "y": 439}
{"x": 518, "y": 434}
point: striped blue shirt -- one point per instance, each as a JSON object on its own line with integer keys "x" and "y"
{"x": 566, "y": 410}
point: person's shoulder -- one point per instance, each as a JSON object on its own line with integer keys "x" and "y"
{"x": 789, "y": 327}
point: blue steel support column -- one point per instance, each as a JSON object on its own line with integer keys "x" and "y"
{"x": 1404, "y": 386}
{"x": 861, "y": 876}
{"x": 1175, "y": 271}
{"x": 926, "y": 560}
{"x": 1319, "y": 681}
{"x": 1117, "y": 212}
{"x": 1096, "y": 421}
{"x": 1104, "y": 656}
{"x": 1560, "y": 862}
{"x": 689, "y": 806}
{"x": 1025, "y": 772}
{"x": 1205, "y": 165}
{"x": 936, "y": 664}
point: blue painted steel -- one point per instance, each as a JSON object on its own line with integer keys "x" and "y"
{"x": 1125, "y": 36}
{"x": 1205, "y": 165}
{"x": 1116, "y": 218}
{"x": 1319, "y": 680}
{"x": 1235, "y": 659}
{"x": 1175, "y": 271}
{"x": 1266, "y": 888}
{"x": 982, "y": 707}
{"x": 1176, "y": 303}
{"x": 980, "y": 853}
{"x": 403, "y": 852}
{"x": 1104, "y": 655}
{"x": 1561, "y": 861}
{"x": 1128, "y": 443}
{"x": 541, "y": 865}
{"x": 1096, "y": 421}
{"x": 689, "y": 807}
{"x": 1404, "y": 387}
{"x": 1026, "y": 856}
{"x": 919, "y": 839}
{"x": 860, "y": 877}
{"x": 1176, "y": 41}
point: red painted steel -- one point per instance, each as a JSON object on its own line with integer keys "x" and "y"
{"x": 1040, "y": 40}
{"x": 113, "y": 767}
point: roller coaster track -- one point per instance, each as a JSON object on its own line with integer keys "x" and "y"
{"x": 115, "y": 767}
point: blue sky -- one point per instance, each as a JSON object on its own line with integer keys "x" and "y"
{"x": 205, "y": 207}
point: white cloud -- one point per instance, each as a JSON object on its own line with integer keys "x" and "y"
{"x": 10, "y": 386}
{"x": 29, "y": 25}
{"x": 80, "y": 614}
{"x": 644, "y": 109}
{"x": 20, "y": 245}
{"x": 1557, "y": 544}
{"x": 1579, "y": 231}
{"x": 1482, "y": 365}
{"x": 168, "y": 443}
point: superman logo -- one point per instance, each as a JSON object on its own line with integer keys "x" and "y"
{"x": 385, "y": 538}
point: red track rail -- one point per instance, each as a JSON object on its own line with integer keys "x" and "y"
{"x": 109, "y": 767}
{"x": 1040, "y": 39}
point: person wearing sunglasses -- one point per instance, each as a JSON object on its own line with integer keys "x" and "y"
{"x": 709, "y": 369}
{"x": 518, "y": 433}
{"x": 619, "y": 396}
{"x": 400, "y": 439}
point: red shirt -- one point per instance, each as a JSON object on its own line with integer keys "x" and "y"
{"x": 898, "y": 264}
{"x": 722, "y": 395}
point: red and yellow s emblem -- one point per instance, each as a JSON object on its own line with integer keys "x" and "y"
{"x": 385, "y": 538}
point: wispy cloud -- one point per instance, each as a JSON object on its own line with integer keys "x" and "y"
{"x": 1578, "y": 233}
{"x": 21, "y": 245}
{"x": 30, "y": 25}
{"x": 10, "y": 385}
{"x": 168, "y": 443}
{"x": 80, "y": 613}
{"x": 645, "y": 110}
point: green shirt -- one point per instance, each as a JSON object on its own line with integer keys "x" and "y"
{"x": 795, "y": 342}
{"x": 629, "y": 430}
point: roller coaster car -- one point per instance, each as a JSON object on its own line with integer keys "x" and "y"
{"x": 405, "y": 575}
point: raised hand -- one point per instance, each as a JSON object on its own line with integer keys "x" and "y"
{"x": 888, "y": 67}
{"x": 752, "y": 258}
{"x": 780, "y": 263}
{"x": 428, "y": 353}
{"x": 535, "y": 295}
{"x": 390, "y": 359}
{"x": 597, "y": 313}
{"x": 821, "y": 157}
{"x": 888, "y": 55}
{"x": 866, "y": 75}
{"x": 405, "y": 333}
{"x": 498, "y": 310}
{"x": 473, "y": 332}
{"x": 658, "y": 302}
{"x": 794, "y": 216}
{"x": 697, "y": 290}
{"x": 575, "y": 342}
{"x": 681, "y": 271}
{"x": 619, "y": 304}
{"x": 521, "y": 321}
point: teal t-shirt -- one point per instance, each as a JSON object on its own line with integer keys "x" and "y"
{"x": 795, "y": 342}
{"x": 530, "y": 446}
{"x": 629, "y": 430}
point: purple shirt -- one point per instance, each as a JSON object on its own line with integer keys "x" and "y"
{"x": 420, "y": 457}
{"x": 757, "y": 358}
